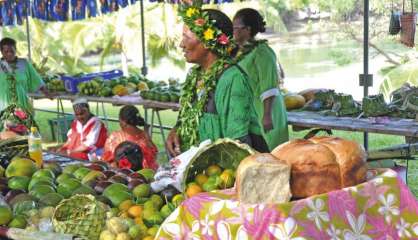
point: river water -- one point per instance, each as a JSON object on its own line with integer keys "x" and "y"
{"x": 308, "y": 63}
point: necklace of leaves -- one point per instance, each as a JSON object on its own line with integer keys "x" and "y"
{"x": 194, "y": 98}
{"x": 10, "y": 77}
{"x": 247, "y": 48}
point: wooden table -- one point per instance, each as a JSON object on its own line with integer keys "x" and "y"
{"x": 391, "y": 126}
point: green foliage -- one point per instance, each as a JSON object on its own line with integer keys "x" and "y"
{"x": 341, "y": 57}
{"x": 272, "y": 10}
{"x": 65, "y": 44}
{"x": 394, "y": 79}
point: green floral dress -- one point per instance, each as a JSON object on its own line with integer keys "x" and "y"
{"x": 16, "y": 81}
{"x": 259, "y": 63}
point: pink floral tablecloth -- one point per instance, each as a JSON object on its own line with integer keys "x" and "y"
{"x": 381, "y": 208}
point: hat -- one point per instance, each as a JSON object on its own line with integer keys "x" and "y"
{"x": 78, "y": 101}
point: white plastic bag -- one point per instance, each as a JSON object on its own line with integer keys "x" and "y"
{"x": 178, "y": 165}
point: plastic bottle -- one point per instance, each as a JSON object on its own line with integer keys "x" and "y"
{"x": 35, "y": 146}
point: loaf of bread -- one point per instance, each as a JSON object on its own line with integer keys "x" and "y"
{"x": 261, "y": 178}
{"x": 322, "y": 164}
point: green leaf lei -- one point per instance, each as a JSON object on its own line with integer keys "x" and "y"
{"x": 193, "y": 101}
{"x": 10, "y": 77}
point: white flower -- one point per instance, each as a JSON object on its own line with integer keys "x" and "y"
{"x": 389, "y": 173}
{"x": 285, "y": 230}
{"x": 317, "y": 215}
{"x": 415, "y": 228}
{"x": 387, "y": 209}
{"x": 333, "y": 232}
{"x": 402, "y": 229}
{"x": 207, "y": 225}
{"x": 242, "y": 234}
{"x": 224, "y": 231}
{"x": 378, "y": 180}
{"x": 219, "y": 205}
{"x": 357, "y": 226}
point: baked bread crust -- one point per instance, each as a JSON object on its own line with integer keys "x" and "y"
{"x": 322, "y": 164}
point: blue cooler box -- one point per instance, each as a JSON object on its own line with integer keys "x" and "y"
{"x": 71, "y": 83}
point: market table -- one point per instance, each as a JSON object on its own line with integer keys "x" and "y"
{"x": 391, "y": 126}
{"x": 381, "y": 208}
{"x": 154, "y": 106}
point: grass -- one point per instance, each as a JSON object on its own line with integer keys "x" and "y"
{"x": 169, "y": 118}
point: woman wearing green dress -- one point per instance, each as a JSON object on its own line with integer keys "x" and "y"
{"x": 216, "y": 98}
{"x": 258, "y": 61}
{"x": 17, "y": 79}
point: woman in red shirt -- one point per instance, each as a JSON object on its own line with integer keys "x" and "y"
{"x": 130, "y": 120}
{"x": 87, "y": 134}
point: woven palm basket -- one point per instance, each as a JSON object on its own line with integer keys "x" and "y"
{"x": 13, "y": 147}
{"x": 225, "y": 153}
{"x": 80, "y": 215}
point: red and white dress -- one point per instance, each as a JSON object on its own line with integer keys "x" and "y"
{"x": 93, "y": 135}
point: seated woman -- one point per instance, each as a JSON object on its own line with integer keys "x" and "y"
{"x": 87, "y": 134}
{"x": 128, "y": 155}
{"x": 129, "y": 120}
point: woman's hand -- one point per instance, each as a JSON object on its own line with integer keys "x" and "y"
{"x": 173, "y": 143}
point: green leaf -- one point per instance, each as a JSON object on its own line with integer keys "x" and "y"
{"x": 395, "y": 78}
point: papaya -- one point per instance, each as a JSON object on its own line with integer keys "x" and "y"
{"x": 21, "y": 167}
{"x": 309, "y": 93}
{"x": 294, "y": 101}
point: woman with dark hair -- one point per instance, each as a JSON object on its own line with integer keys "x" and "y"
{"x": 17, "y": 78}
{"x": 216, "y": 97}
{"x": 258, "y": 61}
{"x": 130, "y": 120}
{"x": 128, "y": 155}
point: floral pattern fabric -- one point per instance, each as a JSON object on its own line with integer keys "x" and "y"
{"x": 381, "y": 208}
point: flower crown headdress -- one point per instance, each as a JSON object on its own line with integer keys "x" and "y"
{"x": 199, "y": 23}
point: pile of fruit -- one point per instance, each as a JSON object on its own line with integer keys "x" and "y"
{"x": 115, "y": 87}
{"x": 133, "y": 212}
{"x": 213, "y": 178}
{"x": 163, "y": 92}
{"x": 54, "y": 83}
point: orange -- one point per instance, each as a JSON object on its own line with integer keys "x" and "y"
{"x": 135, "y": 211}
{"x": 227, "y": 179}
{"x": 125, "y": 205}
{"x": 138, "y": 220}
{"x": 201, "y": 179}
{"x": 193, "y": 190}
{"x": 213, "y": 170}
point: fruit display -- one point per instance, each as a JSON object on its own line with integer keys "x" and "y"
{"x": 96, "y": 201}
{"x": 163, "y": 92}
{"x": 54, "y": 83}
{"x": 214, "y": 166}
{"x": 294, "y": 101}
{"x": 90, "y": 200}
